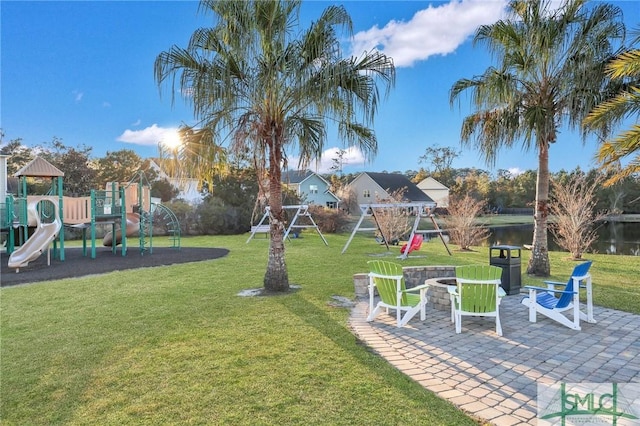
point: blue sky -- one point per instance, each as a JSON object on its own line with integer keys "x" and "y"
{"x": 82, "y": 71}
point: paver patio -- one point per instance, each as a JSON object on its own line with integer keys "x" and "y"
{"x": 495, "y": 378}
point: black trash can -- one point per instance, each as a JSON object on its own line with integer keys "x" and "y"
{"x": 507, "y": 258}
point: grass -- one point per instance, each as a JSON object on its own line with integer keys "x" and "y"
{"x": 177, "y": 345}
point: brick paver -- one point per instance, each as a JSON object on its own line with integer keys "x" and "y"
{"x": 495, "y": 378}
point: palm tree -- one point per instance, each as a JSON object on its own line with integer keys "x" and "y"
{"x": 624, "y": 70}
{"x": 259, "y": 80}
{"x": 549, "y": 74}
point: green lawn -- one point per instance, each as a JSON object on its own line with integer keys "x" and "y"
{"x": 177, "y": 345}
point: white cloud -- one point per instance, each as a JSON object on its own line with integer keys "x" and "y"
{"x": 431, "y": 31}
{"x": 77, "y": 95}
{"x": 352, "y": 156}
{"x": 137, "y": 122}
{"x": 515, "y": 171}
{"x": 106, "y": 104}
{"x": 149, "y": 136}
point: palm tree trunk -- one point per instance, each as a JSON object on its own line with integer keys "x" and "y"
{"x": 276, "y": 279}
{"x": 539, "y": 260}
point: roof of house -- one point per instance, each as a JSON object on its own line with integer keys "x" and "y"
{"x": 39, "y": 167}
{"x": 430, "y": 183}
{"x": 295, "y": 176}
{"x": 299, "y": 176}
{"x": 391, "y": 182}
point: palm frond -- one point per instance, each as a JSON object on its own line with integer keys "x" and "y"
{"x": 625, "y": 65}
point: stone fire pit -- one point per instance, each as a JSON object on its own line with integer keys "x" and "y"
{"x": 438, "y": 294}
{"x": 438, "y": 278}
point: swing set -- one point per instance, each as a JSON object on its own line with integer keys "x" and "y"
{"x": 302, "y": 210}
{"x": 421, "y": 210}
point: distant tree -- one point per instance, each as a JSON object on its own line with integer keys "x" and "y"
{"x": 466, "y": 171}
{"x": 337, "y": 162}
{"x": 19, "y": 155}
{"x": 162, "y": 189}
{"x": 150, "y": 172}
{"x": 335, "y": 182}
{"x": 76, "y": 164}
{"x": 118, "y": 166}
{"x": 229, "y": 208}
{"x": 441, "y": 158}
{"x": 477, "y": 184}
{"x": 550, "y": 73}
{"x": 420, "y": 176}
{"x": 237, "y": 188}
{"x": 499, "y": 196}
{"x": 621, "y": 197}
{"x": 524, "y": 189}
{"x": 410, "y": 174}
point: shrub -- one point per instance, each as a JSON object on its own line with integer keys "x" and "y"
{"x": 462, "y": 222}
{"x": 573, "y": 210}
{"x": 184, "y": 212}
{"x": 218, "y": 217}
{"x": 329, "y": 221}
{"x": 393, "y": 221}
{"x": 348, "y": 200}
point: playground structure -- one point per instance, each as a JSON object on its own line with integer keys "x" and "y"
{"x": 419, "y": 210}
{"x": 45, "y": 232}
{"x": 123, "y": 207}
{"x": 301, "y": 211}
{"x": 40, "y": 214}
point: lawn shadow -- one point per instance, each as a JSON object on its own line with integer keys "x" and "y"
{"x": 343, "y": 338}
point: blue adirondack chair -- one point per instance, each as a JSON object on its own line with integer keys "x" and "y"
{"x": 552, "y": 302}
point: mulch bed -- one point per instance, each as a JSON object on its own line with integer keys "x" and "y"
{"x": 77, "y": 265}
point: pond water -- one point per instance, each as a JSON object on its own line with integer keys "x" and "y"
{"x": 613, "y": 237}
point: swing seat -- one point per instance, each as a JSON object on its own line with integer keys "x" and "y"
{"x": 416, "y": 243}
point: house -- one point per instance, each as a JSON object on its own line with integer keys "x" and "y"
{"x": 189, "y": 189}
{"x": 372, "y": 187}
{"x": 436, "y": 191}
{"x": 310, "y": 187}
{"x": 8, "y": 184}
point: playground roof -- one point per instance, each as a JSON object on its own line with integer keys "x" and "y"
{"x": 39, "y": 167}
